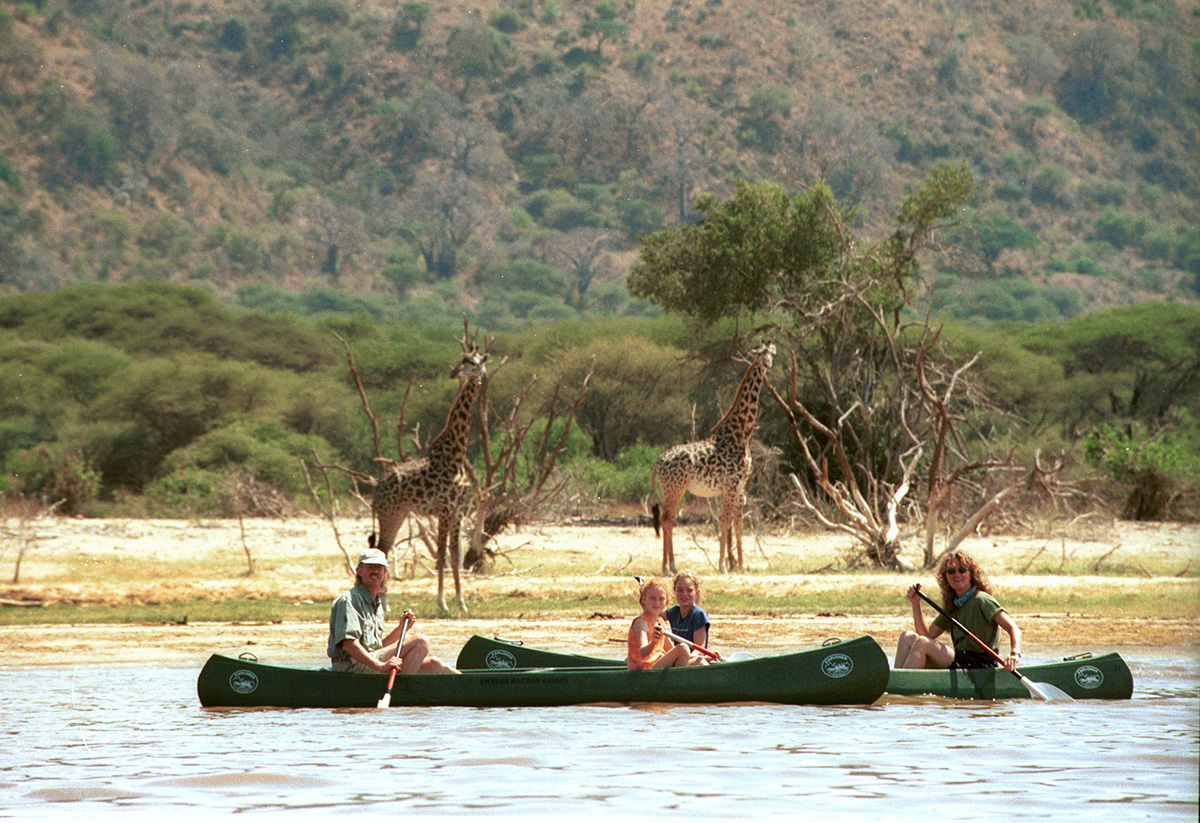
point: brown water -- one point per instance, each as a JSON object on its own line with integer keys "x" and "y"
{"x": 129, "y": 742}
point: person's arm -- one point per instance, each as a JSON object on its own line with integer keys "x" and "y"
{"x": 394, "y": 636}
{"x": 646, "y": 636}
{"x": 700, "y": 636}
{"x": 359, "y": 654}
{"x": 1003, "y": 621}
{"x": 931, "y": 630}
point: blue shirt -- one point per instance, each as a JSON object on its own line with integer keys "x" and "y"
{"x": 686, "y": 627}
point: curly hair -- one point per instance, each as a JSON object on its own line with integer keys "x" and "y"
{"x": 978, "y": 577}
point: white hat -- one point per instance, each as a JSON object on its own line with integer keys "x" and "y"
{"x": 373, "y": 557}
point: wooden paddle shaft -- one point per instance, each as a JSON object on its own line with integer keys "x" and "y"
{"x": 707, "y": 652}
{"x": 386, "y": 699}
{"x": 962, "y": 628}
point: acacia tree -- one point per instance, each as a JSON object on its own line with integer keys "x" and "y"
{"x": 882, "y": 405}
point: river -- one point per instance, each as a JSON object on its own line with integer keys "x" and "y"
{"x": 130, "y": 742}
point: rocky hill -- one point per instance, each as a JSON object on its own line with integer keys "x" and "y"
{"x": 504, "y": 159}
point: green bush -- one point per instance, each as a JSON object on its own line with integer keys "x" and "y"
{"x": 1120, "y": 228}
{"x": 1051, "y": 185}
{"x": 1153, "y": 464}
{"x": 234, "y": 36}
{"x": 990, "y": 232}
{"x": 263, "y": 449}
{"x": 8, "y": 174}
{"x": 625, "y": 479}
{"x": 91, "y": 152}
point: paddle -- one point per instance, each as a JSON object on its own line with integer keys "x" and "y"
{"x": 386, "y": 700}
{"x": 709, "y": 653}
{"x": 1042, "y": 690}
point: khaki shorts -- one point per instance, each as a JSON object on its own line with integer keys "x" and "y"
{"x": 351, "y": 666}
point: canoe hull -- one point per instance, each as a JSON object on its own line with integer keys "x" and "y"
{"x": 1100, "y": 677}
{"x": 1085, "y": 677}
{"x": 850, "y": 672}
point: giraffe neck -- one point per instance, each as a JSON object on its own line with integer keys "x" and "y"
{"x": 451, "y": 443}
{"x": 738, "y": 422}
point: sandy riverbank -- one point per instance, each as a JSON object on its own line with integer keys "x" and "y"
{"x": 113, "y": 561}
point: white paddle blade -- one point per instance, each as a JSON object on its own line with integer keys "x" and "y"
{"x": 385, "y": 701}
{"x": 1046, "y": 692}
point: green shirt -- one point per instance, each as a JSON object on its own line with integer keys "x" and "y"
{"x": 977, "y": 615}
{"x": 355, "y": 615}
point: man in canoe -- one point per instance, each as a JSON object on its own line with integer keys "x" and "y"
{"x": 356, "y": 627}
{"x": 966, "y": 596}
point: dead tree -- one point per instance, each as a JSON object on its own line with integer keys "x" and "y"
{"x": 893, "y": 433}
{"x": 520, "y": 464}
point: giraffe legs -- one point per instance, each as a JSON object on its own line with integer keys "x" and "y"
{"x": 448, "y": 543}
{"x": 456, "y": 559}
{"x": 730, "y": 531}
{"x": 670, "y": 508}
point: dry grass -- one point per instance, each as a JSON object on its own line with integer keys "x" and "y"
{"x": 570, "y": 586}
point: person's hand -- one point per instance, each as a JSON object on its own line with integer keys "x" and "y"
{"x": 912, "y": 596}
{"x": 657, "y": 632}
{"x": 391, "y": 663}
{"x": 409, "y": 616}
{"x": 1010, "y": 662}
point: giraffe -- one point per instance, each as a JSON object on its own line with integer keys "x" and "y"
{"x": 437, "y": 484}
{"x": 717, "y": 465}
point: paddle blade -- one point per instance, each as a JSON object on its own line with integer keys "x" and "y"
{"x": 1045, "y": 691}
{"x": 386, "y": 700}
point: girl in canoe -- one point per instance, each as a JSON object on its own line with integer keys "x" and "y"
{"x": 649, "y": 647}
{"x": 966, "y": 596}
{"x": 687, "y": 619}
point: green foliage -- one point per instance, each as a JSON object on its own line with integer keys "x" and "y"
{"x": 159, "y": 319}
{"x": 762, "y": 249}
{"x": 88, "y": 149}
{"x": 625, "y": 478}
{"x": 989, "y": 232}
{"x": 1051, "y": 185}
{"x": 1137, "y": 365}
{"x": 235, "y": 34}
{"x": 1155, "y": 465}
{"x": 1121, "y": 228}
{"x": 57, "y": 473}
{"x": 638, "y": 392}
{"x": 745, "y": 254}
{"x": 1008, "y": 298}
{"x": 762, "y": 124}
{"x": 262, "y": 448}
{"x": 9, "y": 175}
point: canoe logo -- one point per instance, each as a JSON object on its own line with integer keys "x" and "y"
{"x": 243, "y": 681}
{"x": 500, "y": 659}
{"x": 1089, "y": 677}
{"x": 837, "y": 665}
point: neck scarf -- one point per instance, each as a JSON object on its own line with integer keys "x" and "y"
{"x": 959, "y": 602}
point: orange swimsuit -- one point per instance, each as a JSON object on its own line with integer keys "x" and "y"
{"x": 634, "y": 659}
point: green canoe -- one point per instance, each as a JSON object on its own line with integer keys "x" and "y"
{"x": 1084, "y": 676}
{"x": 849, "y": 672}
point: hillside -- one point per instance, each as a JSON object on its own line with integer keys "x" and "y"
{"x": 504, "y": 160}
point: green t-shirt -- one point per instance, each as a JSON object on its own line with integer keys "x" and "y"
{"x": 977, "y": 615}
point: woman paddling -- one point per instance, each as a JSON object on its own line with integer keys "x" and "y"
{"x": 967, "y": 597}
